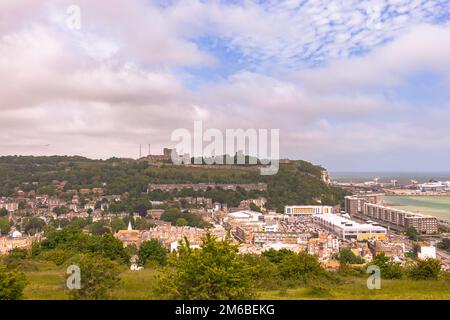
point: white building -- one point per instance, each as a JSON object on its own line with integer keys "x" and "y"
{"x": 271, "y": 226}
{"x": 176, "y": 244}
{"x": 245, "y": 215}
{"x": 348, "y": 229}
{"x": 435, "y": 186}
{"x": 307, "y": 210}
{"x": 426, "y": 252}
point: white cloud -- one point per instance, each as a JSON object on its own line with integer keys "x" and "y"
{"x": 102, "y": 90}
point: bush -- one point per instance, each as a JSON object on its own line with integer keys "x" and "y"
{"x": 264, "y": 273}
{"x": 152, "y": 251}
{"x": 12, "y": 284}
{"x": 388, "y": 269}
{"x": 72, "y": 240}
{"x": 99, "y": 276}
{"x": 301, "y": 267}
{"x": 276, "y": 256}
{"x": 58, "y": 256}
{"x": 428, "y": 269}
{"x": 214, "y": 272}
{"x": 347, "y": 256}
{"x": 17, "y": 259}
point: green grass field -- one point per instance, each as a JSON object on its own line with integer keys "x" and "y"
{"x": 49, "y": 285}
{"x": 356, "y": 289}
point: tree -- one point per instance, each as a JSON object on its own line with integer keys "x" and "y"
{"x": 444, "y": 244}
{"x": 99, "y": 227}
{"x": 34, "y": 225}
{"x": 300, "y": 266}
{"x": 61, "y": 210}
{"x": 428, "y": 269}
{"x": 388, "y": 269}
{"x": 74, "y": 241}
{"x": 141, "y": 224}
{"x": 254, "y": 207}
{"x": 214, "y": 271}
{"x": 152, "y": 251}
{"x": 12, "y": 284}
{"x": 118, "y": 224}
{"x": 22, "y": 205}
{"x": 15, "y": 258}
{"x": 181, "y": 222}
{"x": 347, "y": 256}
{"x": 141, "y": 209}
{"x": 412, "y": 233}
{"x": 5, "y": 226}
{"x": 3, "y": 212}
{"x": 99, "y": 276}
{"x": 276, "y": 256}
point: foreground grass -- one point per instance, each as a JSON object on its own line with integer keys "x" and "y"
{"x": 356, "y": 289}
{"x": 138, "y": 285}
{"x": 50, "y": 285}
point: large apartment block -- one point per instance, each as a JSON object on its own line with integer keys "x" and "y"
{"x": 400, "y": 219}
{"x": 354, "y": 205}
{"x": 369, "y": 206}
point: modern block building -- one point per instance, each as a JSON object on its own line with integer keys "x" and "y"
{"x": 307, "y": 210}
{"x": 400, "y": 219}
{"x": 354, "y": 205}
{"x": 348, "y": 229}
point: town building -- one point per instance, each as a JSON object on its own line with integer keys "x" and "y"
{"x": 206, "y": 186}
{"x": 264, "y": 238}
{"x": 426, "y": 252}
{"x": 400, "y": 219}
{"x": 348, "y": 229}
{"x": 354, "y": 205}
{"x": 308, "y": 210}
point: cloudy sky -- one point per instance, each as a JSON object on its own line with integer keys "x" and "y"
{"x": 352, "y": 85}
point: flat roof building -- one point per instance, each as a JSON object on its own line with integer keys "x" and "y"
{"x": 348, "y": 229}
{"x": 400, "y": 219}
{"x": 354, "y": 205}
{"x": 300, "y": 210}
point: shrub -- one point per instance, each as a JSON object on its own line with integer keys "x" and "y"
{"x": 428, "y": 269}
{"x": 58, "y": 256}
{"x": 99, "y": 276}
{"x": 12, "y": 284}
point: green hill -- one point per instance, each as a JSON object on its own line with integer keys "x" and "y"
{"x": 297, "y": 182}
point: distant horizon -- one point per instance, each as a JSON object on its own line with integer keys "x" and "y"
{"x": 330, "y": 171}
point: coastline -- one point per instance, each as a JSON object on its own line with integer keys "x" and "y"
{"x": 436, "y": 206}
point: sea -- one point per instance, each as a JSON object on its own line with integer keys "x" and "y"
{"x": 437, "y": 206}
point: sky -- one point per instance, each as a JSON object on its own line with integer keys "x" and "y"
{"x": 351, "y": 85}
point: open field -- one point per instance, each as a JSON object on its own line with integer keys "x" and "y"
{"x": 356, "y": 289}
{"x": 139, "y": 285}
{"x": 50, "y": 285}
